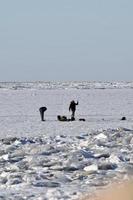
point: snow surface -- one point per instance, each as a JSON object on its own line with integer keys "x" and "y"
{"x": 63, "y": 160}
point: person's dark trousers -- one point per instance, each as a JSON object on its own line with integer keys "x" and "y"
{"x": 73, "y": 114}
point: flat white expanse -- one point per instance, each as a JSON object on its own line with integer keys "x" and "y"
{"x": 102, "y": 109}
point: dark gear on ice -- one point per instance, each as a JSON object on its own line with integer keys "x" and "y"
{"x": 42, "y": 110}
{"x": 72, "y": 107}
{"x": 62, "y": 118}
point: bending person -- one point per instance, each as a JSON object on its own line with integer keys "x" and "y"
{"x": 42, "y": 110}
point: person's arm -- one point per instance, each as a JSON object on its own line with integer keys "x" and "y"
{"x": 69, "y": 107}
{"x": 77, "y": 103}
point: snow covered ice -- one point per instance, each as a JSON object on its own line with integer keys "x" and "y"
{"x": 64, "y": 160}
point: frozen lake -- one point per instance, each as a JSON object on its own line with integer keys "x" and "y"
{"x": 102, "y": 109}
{"x": 63, "y": 160}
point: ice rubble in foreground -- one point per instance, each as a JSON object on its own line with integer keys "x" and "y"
{"x": 64, "y": 167}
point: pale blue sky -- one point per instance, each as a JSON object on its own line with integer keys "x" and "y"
{"x": 66, "y": 40}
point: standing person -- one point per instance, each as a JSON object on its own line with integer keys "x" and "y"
{"x": 72, "y": 107}
{"x": 42, "y": 110}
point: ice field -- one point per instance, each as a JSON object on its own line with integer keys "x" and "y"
{"x": 64, "y": 160}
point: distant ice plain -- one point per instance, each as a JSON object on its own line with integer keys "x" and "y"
{"x": 102, "y": 105}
